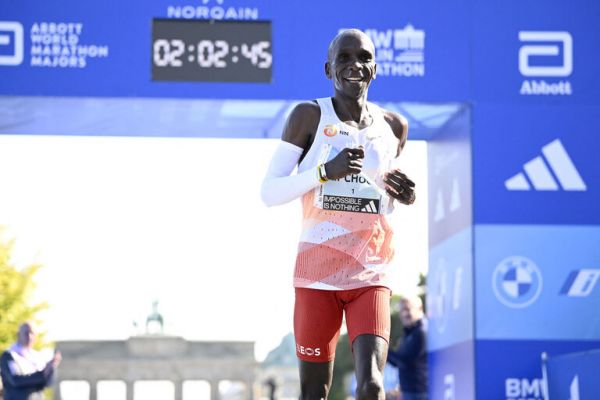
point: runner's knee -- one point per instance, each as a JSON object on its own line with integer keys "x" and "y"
{"x": 370, "y": 389}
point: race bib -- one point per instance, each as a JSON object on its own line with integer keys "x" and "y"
{"x": 353, "y": 193}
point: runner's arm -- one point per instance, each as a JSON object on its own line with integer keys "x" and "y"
{"x": 279, "y": 185}
{"x": 398, "y": 185}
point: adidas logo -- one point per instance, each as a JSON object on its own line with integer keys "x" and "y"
{"x": 370, "y": 208}
{"x": 543, "y": 172}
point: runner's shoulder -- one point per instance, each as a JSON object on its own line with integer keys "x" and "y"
{"x": 302, "y": 123}
{"x": 307, "y": 111}
{"x": 397, "y": 122}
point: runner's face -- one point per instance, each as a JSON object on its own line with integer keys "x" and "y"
{"x": 352, "y": 65}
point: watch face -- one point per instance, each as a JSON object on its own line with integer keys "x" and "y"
{"x": 211, "y": 51}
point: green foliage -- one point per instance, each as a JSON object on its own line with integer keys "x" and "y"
{"x": 16, "y": 288}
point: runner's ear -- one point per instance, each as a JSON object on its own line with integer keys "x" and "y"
{"x": 328, "y": 70}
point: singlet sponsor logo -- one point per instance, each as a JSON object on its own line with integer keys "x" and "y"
{"x": 330, "y": 130}
{"x": 308, "y": 351}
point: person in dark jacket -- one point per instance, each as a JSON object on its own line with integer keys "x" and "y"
{"x": 411, "y": 356}
{"x": 24, "y": 373}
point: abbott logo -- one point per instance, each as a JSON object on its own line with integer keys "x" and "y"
{"x": 11, "y": 43}
{"x": 546, "y": 46}
{"x": 538, "y": 172}
{"x": 580, "y": 283}
{"x": 528, "y": 51}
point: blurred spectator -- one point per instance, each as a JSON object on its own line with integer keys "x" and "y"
{"x": 411, "y": 356}
{"x": 24, "y": 373}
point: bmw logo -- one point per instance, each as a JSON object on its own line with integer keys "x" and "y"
{"x": 517, "y": 282}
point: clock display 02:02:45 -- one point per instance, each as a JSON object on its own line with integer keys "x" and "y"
{"x": 210, "y": 53}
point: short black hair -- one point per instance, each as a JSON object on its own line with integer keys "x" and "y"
{"x": 346, "y": 32}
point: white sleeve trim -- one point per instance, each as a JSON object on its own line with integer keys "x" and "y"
{"x": 279, "y": 186}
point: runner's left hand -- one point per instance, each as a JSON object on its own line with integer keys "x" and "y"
{"x": 400, "y": 187}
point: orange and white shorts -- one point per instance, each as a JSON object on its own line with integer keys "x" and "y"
{"x": 318, "y": 318}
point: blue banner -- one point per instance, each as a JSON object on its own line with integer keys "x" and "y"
{"x": 450, "y": 291}
{"x": 574, "y": 376}
{"x": 535, "y": 164}
{"x": 537, "y": 282}
{"x": 512, "y": 370}
{"x": 452, "y": 373}
{"x": 449, "y": 173}
{"x": 536, "y": 52}
{"x": 68, "y": 50}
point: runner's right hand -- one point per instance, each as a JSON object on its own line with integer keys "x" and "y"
{"x": 349, "y": 161}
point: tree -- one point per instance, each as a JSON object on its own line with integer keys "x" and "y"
{"x": 16, "y": 287}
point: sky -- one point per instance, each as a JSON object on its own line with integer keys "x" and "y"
{"x": 118, "y": 222}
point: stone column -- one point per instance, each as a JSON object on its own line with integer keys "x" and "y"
{"x": 129, "y": 390}
{"x": 93, "y": 389}
{"x": 57, "y": 395}
{"x": 178, "y": 389}
{"x": 214, "y": 389}
{"x": 249, "y": 389}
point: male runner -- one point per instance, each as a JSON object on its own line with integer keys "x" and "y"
{"x": 345, "y": 149}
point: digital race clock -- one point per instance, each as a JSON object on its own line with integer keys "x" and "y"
{"x": 211, "y": 51}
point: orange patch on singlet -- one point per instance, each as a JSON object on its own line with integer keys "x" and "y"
{"x": 330, "y": 130}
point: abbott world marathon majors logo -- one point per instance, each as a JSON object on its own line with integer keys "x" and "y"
{"x": 399, "y": 52}
{"x": 53, "y": 45}
{"x": 546, "y": 59}
{"x": 212, "y": 9}
{"x": 517, "y": 282}
{"x": 12, "y": 44}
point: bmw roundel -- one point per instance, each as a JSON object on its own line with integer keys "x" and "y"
{"x": 517, "y": 282}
